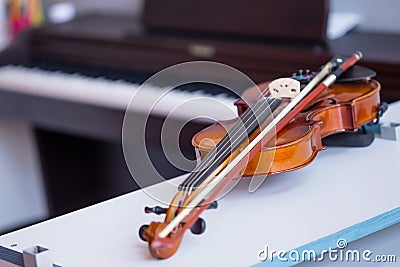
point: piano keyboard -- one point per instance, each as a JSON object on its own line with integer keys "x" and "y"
{"x": 116, "y": 93}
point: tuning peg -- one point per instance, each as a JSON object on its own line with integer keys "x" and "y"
{"x": 157, "y": 210}
{"x": 142, "y": 230}
{"x": 160, "y": 210}
{"x": 213, "y": 205}
{"x": 198, "y": 227}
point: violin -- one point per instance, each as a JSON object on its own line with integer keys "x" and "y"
{"x": 279, "y": 129}
{"x": 342, "y": 107}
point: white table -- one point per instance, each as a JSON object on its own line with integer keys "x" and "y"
{"x": 330, "y": 199}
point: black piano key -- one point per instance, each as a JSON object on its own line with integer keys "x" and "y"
{"x": 207, "y": 88}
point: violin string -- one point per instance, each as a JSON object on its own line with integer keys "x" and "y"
{"x": 237, "y": 140}
{"x": 242, "y": 136}
{"x": 188, "y": 184}
{"x": 251, "y": 121}
{"x": 252, "y": 117}
{"x": 206, "y": 162}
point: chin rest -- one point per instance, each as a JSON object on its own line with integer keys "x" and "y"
{"x": 361, "y": 138}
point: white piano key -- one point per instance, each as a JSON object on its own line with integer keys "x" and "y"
{"x": 114, "y": 94}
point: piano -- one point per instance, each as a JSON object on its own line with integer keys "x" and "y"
{"x": 72, "y": 82}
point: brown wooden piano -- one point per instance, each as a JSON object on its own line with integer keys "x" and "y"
{"x": 79, "y": 132}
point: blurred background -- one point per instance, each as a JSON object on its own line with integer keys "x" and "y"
{"x": 60, "y": 150}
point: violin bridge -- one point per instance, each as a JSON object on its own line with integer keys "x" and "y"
{"x": 284, "y": 88}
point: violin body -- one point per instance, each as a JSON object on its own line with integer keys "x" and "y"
{"x": 342, "y": 107}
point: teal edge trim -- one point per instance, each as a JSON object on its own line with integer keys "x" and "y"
{"x": 350, "y": 234}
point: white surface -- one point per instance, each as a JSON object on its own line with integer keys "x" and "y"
{"x": 341, "y": 23}
{"x": 342, "y": 187}
{"x": 392, "y": 114}
{"x": 377, "y": 16}
{"x": 23, "y": 199}
{"x": 114, "y": 94}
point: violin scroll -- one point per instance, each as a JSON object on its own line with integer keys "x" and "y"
{"x": 162, "y": 248}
